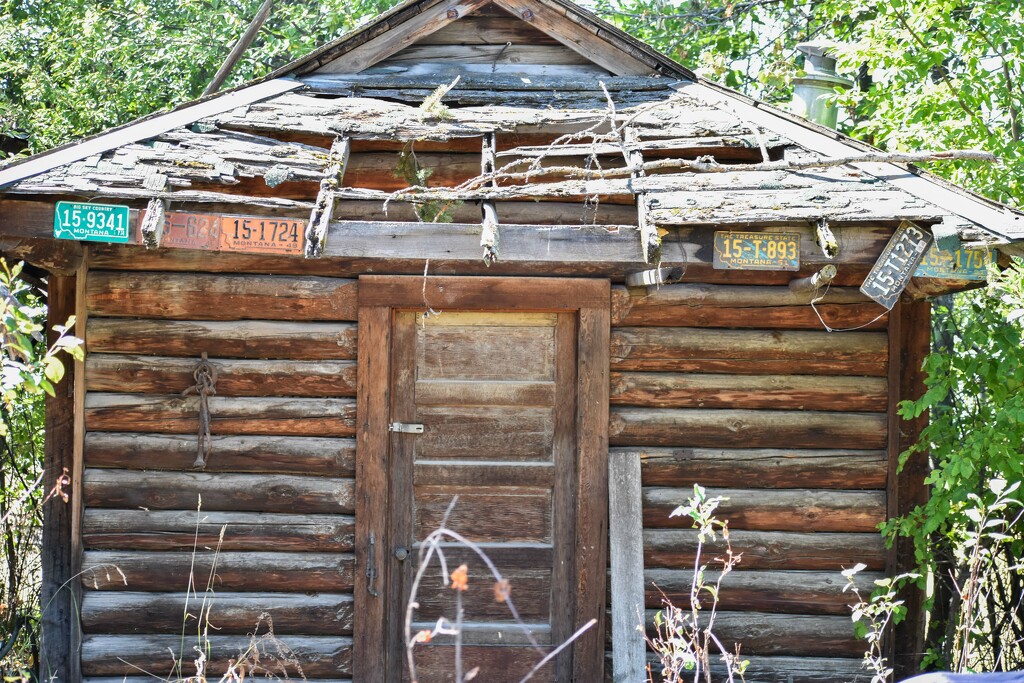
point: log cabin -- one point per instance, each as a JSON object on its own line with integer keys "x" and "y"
{"x": 496, "y": 251}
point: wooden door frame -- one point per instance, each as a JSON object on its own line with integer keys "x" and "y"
{"x": 379, "y": 297}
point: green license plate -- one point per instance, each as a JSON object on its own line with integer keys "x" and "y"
{"x": 92, "y": 222}
{"x": 962, "y": 264}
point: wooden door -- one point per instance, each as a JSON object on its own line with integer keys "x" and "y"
{"x": 507, "y": 444}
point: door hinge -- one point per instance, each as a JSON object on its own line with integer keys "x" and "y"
{"x": 406, "y": 427}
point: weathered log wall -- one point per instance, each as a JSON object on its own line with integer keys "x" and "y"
{"x": 267, "y": 527}
{"x": 740, "y": 389}
{"x": 735, "y": 387}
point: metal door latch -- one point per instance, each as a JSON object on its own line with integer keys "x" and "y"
{"x": 406, "y": 428}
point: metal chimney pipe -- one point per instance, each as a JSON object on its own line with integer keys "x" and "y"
{"x": 819, "y": 81}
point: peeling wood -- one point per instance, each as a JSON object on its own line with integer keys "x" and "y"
{"x": 152, "y": 227}
{"x": 320, "y": 218}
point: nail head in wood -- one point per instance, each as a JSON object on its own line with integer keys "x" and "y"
{"x": 453, "y": 14}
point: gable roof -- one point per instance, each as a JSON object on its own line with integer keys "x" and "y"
{"x": 571, "y": 24}
{"x": 579, "y": 30}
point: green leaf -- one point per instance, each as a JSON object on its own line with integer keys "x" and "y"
{"x": 53, "y": 369}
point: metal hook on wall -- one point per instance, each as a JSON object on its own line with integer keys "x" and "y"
{"x": 205, "y": 376}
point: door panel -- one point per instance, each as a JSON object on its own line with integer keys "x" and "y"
{"x": 510, "y": 384}
{"x": 487, "y": 388}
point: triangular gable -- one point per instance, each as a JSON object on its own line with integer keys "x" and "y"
{"x": 407, "y": 24}
{"x": 489, "y": 41}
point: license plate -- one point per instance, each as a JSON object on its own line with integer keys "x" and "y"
{"x": 188, "y": 230}
{"x": 962, "y": 264}
{"x": 757, "y": 251}
{"x": 894, "y": 268}
{"x": 262, "y": 235}
{"x": 92, "y": 222}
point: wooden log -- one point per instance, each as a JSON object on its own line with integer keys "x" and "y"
{"x": 168, "y": 375}
{"x": 801, "y": 392}
{"x": 759, "y": 633}
{"x": 674, "y": 548}
{"x": 496, "y": 82}
{"x": 738, "y": 306}
{"x": 179, "y": 529}
{"x": 666, "y": 303}
{"x": 223, "y": 339}
{"x": 828, "y": 199}
{"x": 136, "y": 570}
{"x": 220, "y": 297}
{"x": 60, "y": 257}
{"x": 749, "y": 351}
{"x": 114, "y": 655}
{"x": 786, "y": 592}
{"x": 180, "y": 415}
{"x": 650, "y": 148}
{"x": 219, "y": 491}
{"x": 764, "y": 669}
{"x": 675, "y": 207}
{"x": 771, "y": 510}
{"x": 227, "y": 613}
{"x": 26, "y": 218}
{"x": 497, "y": 55}
{"x": 744, "y": 428}
{"x": 805, "y": 670}
{"x": 821, "y": 316}
{"x": 264, "y": 454}
{"x": 188, "y": 530}
{"x": 481, "y": 97}
{"x": 762, "y": 467}
{"x": 462, "y": 242}
{"x": 367, "y": 118}
{"x": 515, "y": 213}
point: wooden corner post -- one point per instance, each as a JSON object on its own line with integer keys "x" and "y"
{"x": 57, "y": 655}
{"x": 909, "y": 343}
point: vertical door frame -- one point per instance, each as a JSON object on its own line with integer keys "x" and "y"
{"x": 379, "y": 297}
